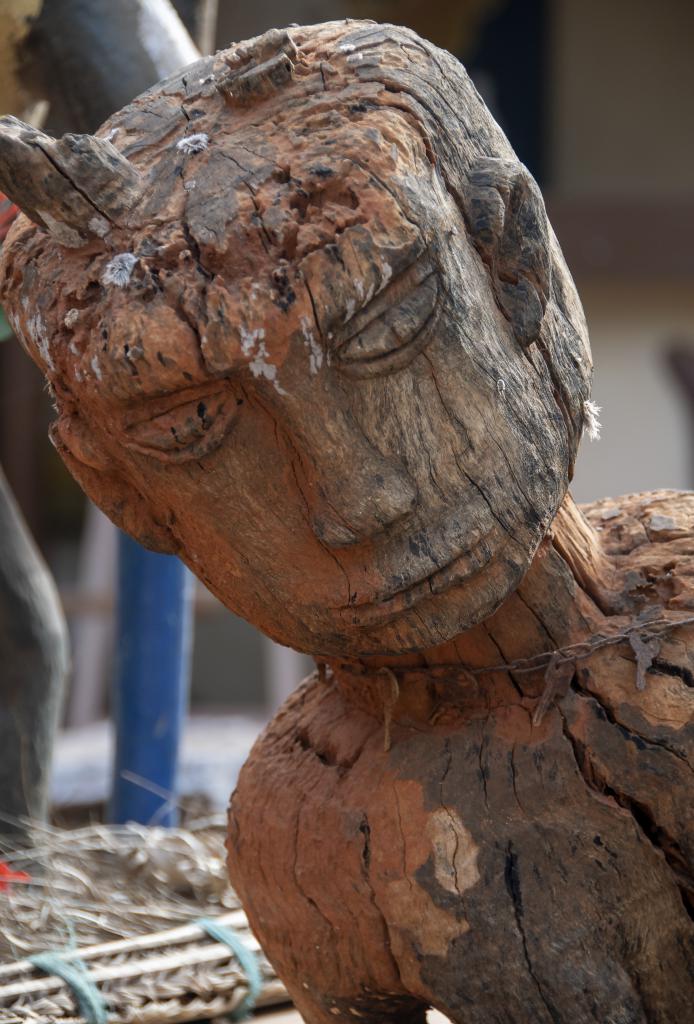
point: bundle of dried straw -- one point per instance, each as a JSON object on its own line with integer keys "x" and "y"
{"x": 124, "y": 902}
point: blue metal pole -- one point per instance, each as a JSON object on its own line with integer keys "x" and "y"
{"x": 150, "y": 698}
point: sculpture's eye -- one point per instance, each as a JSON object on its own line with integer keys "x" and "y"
{"x": 392, "y": 329}
{"x": 188, "y": 429}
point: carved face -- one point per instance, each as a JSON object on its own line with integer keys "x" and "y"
{"x": 337, "y": 376}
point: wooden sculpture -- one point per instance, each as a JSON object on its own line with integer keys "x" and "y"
{"x": 307, "y": 327}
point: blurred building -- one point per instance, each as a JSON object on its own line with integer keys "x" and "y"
{"x": 621, "y": 195}
{"x": 598, "y": 100}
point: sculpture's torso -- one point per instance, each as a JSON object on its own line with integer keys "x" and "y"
{"x": 498, "y": 869}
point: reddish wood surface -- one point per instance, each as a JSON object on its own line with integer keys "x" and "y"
{"x": 338, "y": 323}
{"x": 329, "y": 352}
{"x": 497, "y": 870}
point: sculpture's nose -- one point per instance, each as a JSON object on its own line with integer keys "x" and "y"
{"x": 352, "y": 490}
{"x": 356, "y": 500}
{"x": 352, "y": 479}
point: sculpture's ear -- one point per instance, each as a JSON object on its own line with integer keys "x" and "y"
{"x": 507, "y": 221}
{"x": 102, "y": 482}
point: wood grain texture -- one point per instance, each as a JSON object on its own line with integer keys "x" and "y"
{"x": 496, "y": 870}
{"x": 335, "y": 359}
{"x": 75, "y": 187}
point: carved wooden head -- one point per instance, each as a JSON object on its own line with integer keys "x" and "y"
{"x": 308, "y": 327}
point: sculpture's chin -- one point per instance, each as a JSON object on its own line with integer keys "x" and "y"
{"x": 458, "y": 601}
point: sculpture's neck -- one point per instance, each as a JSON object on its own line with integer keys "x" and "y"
{"x": 561, "y": 600}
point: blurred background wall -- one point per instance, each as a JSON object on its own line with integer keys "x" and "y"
{"x": 598, "y": 100}
{"x": 621, "y": 196}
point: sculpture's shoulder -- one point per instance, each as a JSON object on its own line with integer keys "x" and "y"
{"x": 649, "y": 538}
{"x": 630, "y": 716}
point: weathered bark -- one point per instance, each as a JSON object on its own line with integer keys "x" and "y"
{"x": 497, "y": 870}
{"x": 102, "y": 55}
{"x": 34, "y": 656}
{"x": 77, "y": 187}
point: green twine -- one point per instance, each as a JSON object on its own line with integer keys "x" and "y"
{"x": 76, "y": 977}
{"x": 91, "y": 1004}
{"x": 245, "y": 956}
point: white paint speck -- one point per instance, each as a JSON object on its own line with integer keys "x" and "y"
{"x": 96, "y": 369}
{"x": 99, "y": 226}
{"x": 347, "y": 47}
{"x": 591, "y": 414}
{"x": 249, "y": 339}
{"x": 118, "y": 270}
{"x": 189, "y": 185}
{"x": 71, "y": 317}
{"x": 315, "y": 352}
{"x": 39, "y": 335}
{"x": 501, "y": 386}
{"x": 193, "y": 143}
{"x": 253, "y": 344}
{"x": 259, "y": 367}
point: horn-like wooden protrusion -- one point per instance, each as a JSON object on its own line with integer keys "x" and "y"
{"x": 259, "y": 68}
{"x": 76, "y": 187}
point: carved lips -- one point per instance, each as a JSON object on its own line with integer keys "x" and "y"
{"x": 406, "y": 593}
